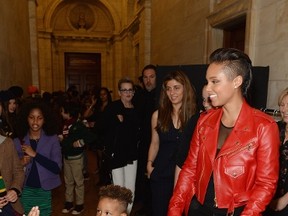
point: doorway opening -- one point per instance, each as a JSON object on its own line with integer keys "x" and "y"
{"x": 83, "y": 70}
{"x": 234, "y": 33}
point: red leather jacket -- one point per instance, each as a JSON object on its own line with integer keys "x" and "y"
{"x": 245, "y": 170}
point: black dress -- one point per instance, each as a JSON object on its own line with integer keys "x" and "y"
{"x": 173, "y": 150}
{"x": 162, "y": 176}
{"x": 282, "y": 187}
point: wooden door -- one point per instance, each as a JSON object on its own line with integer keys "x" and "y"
{"x": 83, "y": 70}
{"x": 234, "y": 34}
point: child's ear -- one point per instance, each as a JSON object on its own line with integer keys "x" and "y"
{"x": 124, "y": 214}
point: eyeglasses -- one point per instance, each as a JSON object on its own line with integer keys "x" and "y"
{"x": 127, "y": 91}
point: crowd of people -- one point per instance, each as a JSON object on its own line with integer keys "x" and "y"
{"x": 169, "y": 156}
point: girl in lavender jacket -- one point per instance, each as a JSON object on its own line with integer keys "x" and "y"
{"x": 39, "y": 150}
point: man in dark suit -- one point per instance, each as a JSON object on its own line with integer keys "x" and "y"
{"x": 145, "y": 103}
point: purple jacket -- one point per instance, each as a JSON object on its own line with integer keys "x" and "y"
{"x": 49, "y": 147}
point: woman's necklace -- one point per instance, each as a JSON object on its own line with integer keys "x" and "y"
{"x": 36, "y": 138}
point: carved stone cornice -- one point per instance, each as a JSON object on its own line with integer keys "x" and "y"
{"x": 98, "y": 38}
{"x": 44, "y": 35}
{"x": 231, "y": 9}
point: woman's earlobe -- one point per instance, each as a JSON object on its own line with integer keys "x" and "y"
{"x": 238, "y": 81}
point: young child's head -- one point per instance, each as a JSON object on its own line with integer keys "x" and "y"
{"x": 113, "y": 200}
{"x": 70, "y": 110}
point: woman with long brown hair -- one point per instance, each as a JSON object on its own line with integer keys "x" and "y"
{"x": 176, "y": 107}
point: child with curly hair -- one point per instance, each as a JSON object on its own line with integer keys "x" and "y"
{"x": 114, "y": 200}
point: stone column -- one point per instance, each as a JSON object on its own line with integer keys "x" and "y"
{"x": 33, "y": 42}
{"x": 45, "y": 61}
{"x": 145, "y": 35}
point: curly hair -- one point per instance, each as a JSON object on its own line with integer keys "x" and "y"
{"x": 51, "y": 123}
{"x": 116, "y": 192}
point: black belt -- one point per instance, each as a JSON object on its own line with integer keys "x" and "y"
{"x": 195, "y": 204}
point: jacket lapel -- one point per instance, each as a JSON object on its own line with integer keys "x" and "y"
{"x": 240, "y": 133}
{"x": 210, "y": 133}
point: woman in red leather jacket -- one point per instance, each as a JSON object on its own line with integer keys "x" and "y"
{"x": 233, "y": 163}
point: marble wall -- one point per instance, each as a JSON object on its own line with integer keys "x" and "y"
{"x": 186, "y": 32}
{"x": 270, "y": 43}
{"x": 178, "y": 31}
{"x": 139, "y": 32}
{"x": 15, "y": 61}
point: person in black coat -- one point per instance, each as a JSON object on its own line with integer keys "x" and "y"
{"x": 122, "y": 137}
{"x": 145, "y": 103}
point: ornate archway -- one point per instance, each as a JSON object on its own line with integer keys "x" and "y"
{"x": 73, "y": 26}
